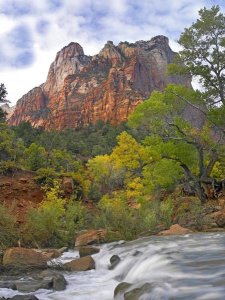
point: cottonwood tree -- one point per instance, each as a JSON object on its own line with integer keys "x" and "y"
{"x": 175, "y": 145}
{"x": 187, "y": 127}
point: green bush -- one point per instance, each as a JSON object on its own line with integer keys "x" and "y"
{"x": 8, "y": 230}
{"x": 188, "y": 209}
{"x": 8, "y": 167}
{"x": 55, "y": 222}
{"x": 117, "y": 216}
{"x": 166, "y": 211}
{"x": 46, "y": 176}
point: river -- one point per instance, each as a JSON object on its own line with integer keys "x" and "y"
{"x": 181, "y": 267}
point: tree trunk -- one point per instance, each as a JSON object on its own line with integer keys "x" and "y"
{"x": 200, "y": 193}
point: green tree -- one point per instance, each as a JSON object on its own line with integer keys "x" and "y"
{"x": 203, "y": 55}
{"x": 105, "y": 173}
{"x": 175, "y": 143}
{"x": 11, "y": 150}
{"x": 3, "y": 94}
{"x": 36, "y": 157}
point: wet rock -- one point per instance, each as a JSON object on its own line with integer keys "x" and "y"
{"x": 136, "y": 293}
{"x": 121, "y": 288}
{"x": 82, "y": 264}
{"x": 7, "y": 285}
{"x": 91, "y": 237}
{"x": 114, "y": 260}
{"x": 22, "y": 258}
{"x": 33, "y": 286}
{"x": 59, "y": 282}
{"x": 87, "y": 251}
{"x": 23, "y": 297}
{"x": 175, "y": 229}
{"x": 137, "y": 252}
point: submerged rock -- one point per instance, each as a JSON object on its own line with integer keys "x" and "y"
{"x": 7, "y": 285}
{"x": 121, "y": 288}
{"x": 47, "y": 279}
{"x": 23, "y": 297}
{"x": 136, "y": 293}
{"x": 59, "y": 282}
{"x": 33, "y": 286}
{"x": 114, "y": 260}
{"x": 81, "y": 264}
{"x": 128, "y": 291}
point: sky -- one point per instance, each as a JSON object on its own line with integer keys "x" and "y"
{"x": 32, "y": 32}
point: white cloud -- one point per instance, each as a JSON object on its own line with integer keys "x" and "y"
{"x": 89, "y": 22}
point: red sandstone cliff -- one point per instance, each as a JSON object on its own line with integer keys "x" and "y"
{"x": 82, "y": 89}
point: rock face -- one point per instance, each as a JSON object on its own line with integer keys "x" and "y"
{"x": 82, "y": 89}
{"x": 20, "y": 192}
{"x": 9, "y": 110}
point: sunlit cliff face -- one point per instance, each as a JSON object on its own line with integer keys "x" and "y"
{"x": 82, "y": 89}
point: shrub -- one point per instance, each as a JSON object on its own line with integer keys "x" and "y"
{"x": 128, "y": 222}
{"x": 188, "y": 209}
{"x": 8, "y": 230}
{"x": 8, "y": 167}
{"x": 55, "y": 222}
{"x": 44, "y": 224}
{"x": 166, "y": 211}
{"x": 46, "y": 176}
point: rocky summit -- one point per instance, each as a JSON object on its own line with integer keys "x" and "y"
{"x": 82, "y": 89}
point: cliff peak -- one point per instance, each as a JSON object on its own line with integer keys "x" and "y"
{"x": 71, "y": 50}
{"x": 81, "y": 89}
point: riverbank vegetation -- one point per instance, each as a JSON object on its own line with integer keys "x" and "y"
{"x": 134, "y": 174}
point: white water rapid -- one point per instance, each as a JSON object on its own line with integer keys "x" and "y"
{"x": 181, "y": 267}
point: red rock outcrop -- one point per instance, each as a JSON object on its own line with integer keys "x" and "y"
{"x": 82, "y": 89}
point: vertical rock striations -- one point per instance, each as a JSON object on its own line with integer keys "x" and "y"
{"x": 82, "y": 89}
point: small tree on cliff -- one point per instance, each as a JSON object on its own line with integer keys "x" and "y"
{"x": 3, "y": 94}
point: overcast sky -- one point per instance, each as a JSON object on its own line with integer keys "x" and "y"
{"x": 31, "y": 32}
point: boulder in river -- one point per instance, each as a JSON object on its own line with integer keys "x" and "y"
{"x": 7, "y": 285}
{"x": 23, "y": 258}
{"x": 136, "y": 293}
{"x": 88, "y": 250}
{"x": 58, "y": 281}
{"x": 175, "y": 229}
{"x": 91, "y": 237}
{"x": 114, "y": 260}
{"x": 121, "y": 289}
{"x": 81, "y": 264}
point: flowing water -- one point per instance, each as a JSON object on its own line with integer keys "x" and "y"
{"x": 181, "y": 267}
